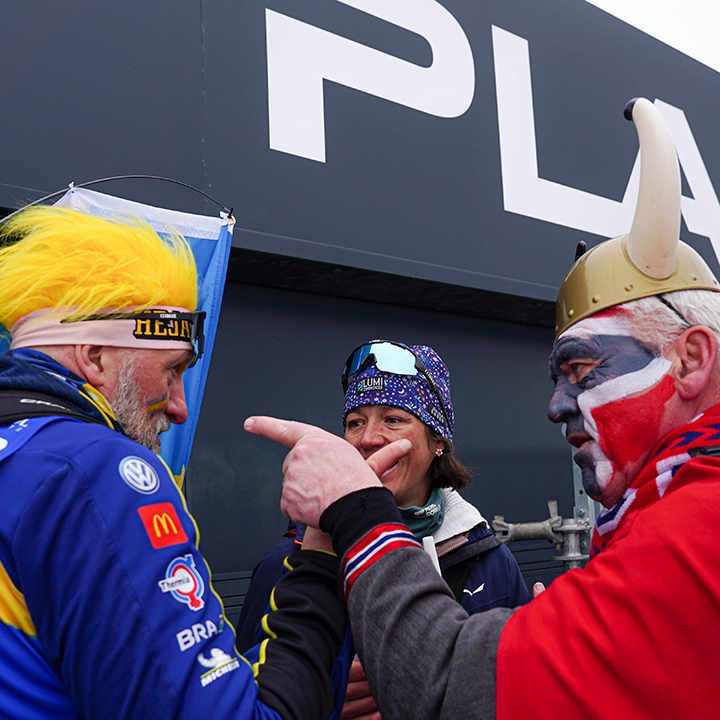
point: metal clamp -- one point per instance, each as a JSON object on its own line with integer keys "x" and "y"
{"x": 563, "y": 532}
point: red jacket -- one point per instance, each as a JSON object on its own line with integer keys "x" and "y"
{"x": 636, "y": 634}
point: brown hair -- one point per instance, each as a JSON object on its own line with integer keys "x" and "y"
{"x": 447, "y": 470}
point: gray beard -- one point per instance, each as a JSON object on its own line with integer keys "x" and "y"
{"x": 131, "y": 411}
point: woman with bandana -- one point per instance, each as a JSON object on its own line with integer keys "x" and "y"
{"x": 394, "y": 391}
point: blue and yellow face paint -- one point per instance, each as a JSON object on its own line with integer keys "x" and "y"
{"x": 157, "y": 406}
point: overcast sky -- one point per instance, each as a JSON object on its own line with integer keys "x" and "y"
{"x": 691, "y": 26}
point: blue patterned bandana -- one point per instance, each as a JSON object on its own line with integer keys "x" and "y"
{"x": 411, "y": 393}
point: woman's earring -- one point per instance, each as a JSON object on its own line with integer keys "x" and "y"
{"x": 439, "y": 452}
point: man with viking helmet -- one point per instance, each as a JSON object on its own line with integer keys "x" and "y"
{"x": 635, "y": 633}
{"x": 106, "y": 603}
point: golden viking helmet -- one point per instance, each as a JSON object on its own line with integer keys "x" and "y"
{"x": 650, "y": 259}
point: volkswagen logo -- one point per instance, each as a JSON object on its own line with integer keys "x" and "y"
{"x": 139, "y": 475}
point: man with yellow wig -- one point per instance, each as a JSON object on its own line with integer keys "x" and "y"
{"x": 635, "y": 634}
{"x": 106, "y": 603}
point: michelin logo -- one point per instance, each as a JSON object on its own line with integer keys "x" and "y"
{"x": 221, "y": 664}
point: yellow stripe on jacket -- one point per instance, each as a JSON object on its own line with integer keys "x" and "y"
{"x": 13, "y": 610}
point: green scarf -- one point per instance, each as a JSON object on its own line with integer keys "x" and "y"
{"x": 424, "y": 521}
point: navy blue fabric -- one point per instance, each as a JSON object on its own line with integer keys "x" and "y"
{"x": 496, "y": 570}
{"x": 495, "y": 579}
{"x": 264, "y": 578}
{"x": 33, "y": 370}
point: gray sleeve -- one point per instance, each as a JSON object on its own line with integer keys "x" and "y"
{"x": 425, "y": 658}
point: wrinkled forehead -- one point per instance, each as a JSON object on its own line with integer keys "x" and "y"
{"x": 602, "y": 336}
{"x": 613, "y": 321}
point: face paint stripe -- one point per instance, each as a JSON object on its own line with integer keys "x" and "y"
{"x": 629, "y": 424}
{"x": 617, "y": 408}
{"x": 599, "y": 326}
{"x": 158, "y": 406}
{"x": 620, "y": 387}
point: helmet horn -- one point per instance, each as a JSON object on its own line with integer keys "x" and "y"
{"x": 653, "y": 240}
{"x": 649, "y": 261}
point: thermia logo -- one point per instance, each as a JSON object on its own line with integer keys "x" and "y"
{"x": 184, "y": 583}
{"x": 370, "y": 384}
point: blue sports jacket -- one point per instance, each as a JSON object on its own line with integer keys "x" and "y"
{"x": 106, "y": 603}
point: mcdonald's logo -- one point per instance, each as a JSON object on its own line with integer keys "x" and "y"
{"x": 162, "y": 525}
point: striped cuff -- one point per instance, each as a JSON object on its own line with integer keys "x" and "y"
{"x": 372, "y": 547}
{"x": 365, "y": 526}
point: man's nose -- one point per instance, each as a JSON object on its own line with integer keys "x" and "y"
{"x": 176, "y": 409}
{"x": 563, "y": 405}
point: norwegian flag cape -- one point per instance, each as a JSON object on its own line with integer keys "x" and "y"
{"x": 673, "y": 451}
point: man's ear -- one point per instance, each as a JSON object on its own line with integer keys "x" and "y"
{"x": 697, "y": 350}
{"x": 93, "y": 361}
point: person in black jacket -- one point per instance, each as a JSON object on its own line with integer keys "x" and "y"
{"x": 263, "y": 579}
{"x": 395, "y": 391}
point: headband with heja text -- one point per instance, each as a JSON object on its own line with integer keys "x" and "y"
{"x": 155, "y": 328}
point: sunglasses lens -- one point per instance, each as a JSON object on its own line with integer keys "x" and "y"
{"x": 356, "y": 360}
{"x": 387, "y": 358}
{"x": 394, "y": 359}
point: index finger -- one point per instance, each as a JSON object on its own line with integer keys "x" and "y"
{"x": 287, "y": 432}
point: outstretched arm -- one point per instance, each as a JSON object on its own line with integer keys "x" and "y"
{"x": 424, "y": 657}
{"x": 321, "y": 467}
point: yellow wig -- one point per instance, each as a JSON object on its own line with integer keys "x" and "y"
{"x": 65, "y": 258}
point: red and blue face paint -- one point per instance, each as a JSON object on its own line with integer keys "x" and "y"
{"x": 611, "y": 392}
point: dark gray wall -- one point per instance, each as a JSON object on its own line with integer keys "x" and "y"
{"x": 281, "y": 353}
{"x": 403, "y": 191}
{"x": 94, "y": 88}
